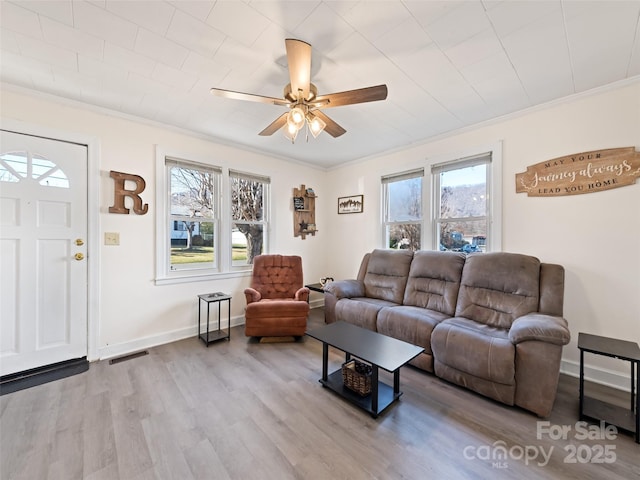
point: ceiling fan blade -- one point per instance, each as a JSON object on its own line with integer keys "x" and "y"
{"x": 276, "y": 125}
{"x": 218, "y": 92}
{"x": 361, "y": 95}
{"x": 332, "y": 128}
{"x": 299, "y": 60}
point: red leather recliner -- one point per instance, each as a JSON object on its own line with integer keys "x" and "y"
{"x": 277, "y": 301}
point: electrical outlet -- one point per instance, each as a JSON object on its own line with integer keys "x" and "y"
{"x": 111, "y": 238}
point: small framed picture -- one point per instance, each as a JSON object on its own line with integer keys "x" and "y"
{"x": 352, "y": 204}
{"x": 298, "y": 203}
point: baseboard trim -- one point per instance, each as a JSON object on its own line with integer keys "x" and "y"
{"x": 119, "y": 349}
{"x": 37, "y": 376}
{"x": 601, "y": 376}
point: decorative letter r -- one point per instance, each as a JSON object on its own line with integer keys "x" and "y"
{"x": 120, "y": 192}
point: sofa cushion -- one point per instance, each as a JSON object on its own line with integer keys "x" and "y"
{"x": 387, "y": 272}
{"x": 498, "y": 391}
{"x": 362, "y": 311}
{"x": 434, "y": 281}
{"x": 498, "y": 287}
{"x": 410, "y": 324}
{"x": 474, "y": 348}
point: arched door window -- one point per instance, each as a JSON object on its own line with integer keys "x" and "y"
{"x": 19, "y": 166}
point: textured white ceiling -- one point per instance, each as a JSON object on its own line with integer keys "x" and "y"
{"x": 447, "y": 64}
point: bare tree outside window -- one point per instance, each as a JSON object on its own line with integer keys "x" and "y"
{"x": 248, "y": 217}
{"x": 403, "y": 210}
{"x": 192, "y": 205}
{"x": 200, "y": 233}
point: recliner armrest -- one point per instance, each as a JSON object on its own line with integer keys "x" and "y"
{"x": 252, "y": 295}
{"x": 345, "y": 288}
{"x": 540, "y": 327}
{"x": 302, "y": 294}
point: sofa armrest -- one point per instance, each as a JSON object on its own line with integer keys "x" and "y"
{"x": 345, "y": 288}
{"x": 540, "y": 327}
{"x": 302, "y": 294}
{"x": 252, "y": 295}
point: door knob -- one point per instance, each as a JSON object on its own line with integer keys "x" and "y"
{"x": 78, "y": 256}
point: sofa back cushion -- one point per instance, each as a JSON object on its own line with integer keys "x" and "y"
{"x": 551, "y": 289}
{"x": 498, "y": 287}
{"x": 386, "y": 275}
{"x": 434, "y": 280}
{"x": 362, "y": 271}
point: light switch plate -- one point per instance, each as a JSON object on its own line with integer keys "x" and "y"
{"x": 111, "y": 238}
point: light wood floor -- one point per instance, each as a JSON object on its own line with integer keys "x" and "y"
{"x": 245, "y": 410}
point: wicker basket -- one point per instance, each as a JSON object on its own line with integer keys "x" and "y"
{"x": 354, "y": 380}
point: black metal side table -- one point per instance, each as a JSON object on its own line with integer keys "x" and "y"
{"x": 207, "y": 336}
{"x": 316, "y": 287}
{"x": 590, "y": 407}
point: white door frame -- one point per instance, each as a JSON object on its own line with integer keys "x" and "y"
{"x": 93, "y": 216}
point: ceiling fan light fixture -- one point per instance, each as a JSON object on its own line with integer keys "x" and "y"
{"x": 296, "y": 118}
{"x": 316, "y": 125}
{"x": 300, "y": 96}
{"x": 290, "y": 131}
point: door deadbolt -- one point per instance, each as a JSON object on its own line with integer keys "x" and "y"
{"x": 79, "y": 242}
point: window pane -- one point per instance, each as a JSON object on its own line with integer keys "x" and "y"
{"x": 248, "y": 214}
{"x": 405, "y": 200}
{"x": 404, "y": 236}
{"x": 13, "y": 166}
{"x": 469, "y": 236}
{"x": 247, "y": 199}
{"x": 463, "y": 192}
{"x": 247, "y": 241}
{"x": 192, "y": 245}
{"x": 192, "y": 192}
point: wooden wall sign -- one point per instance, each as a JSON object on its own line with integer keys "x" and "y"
{"x": 120, "y": 192}
{"x": 586, "y": 172}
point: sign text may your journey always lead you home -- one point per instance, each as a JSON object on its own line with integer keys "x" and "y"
{"x": 586, "y": 172}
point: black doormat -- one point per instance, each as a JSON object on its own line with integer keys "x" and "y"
{"x": 37, "y": 376}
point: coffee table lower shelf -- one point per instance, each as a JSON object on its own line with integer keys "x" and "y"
{"x": 386, "y": 396}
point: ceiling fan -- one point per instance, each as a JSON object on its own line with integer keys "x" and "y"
{"x": 302, "y": 99}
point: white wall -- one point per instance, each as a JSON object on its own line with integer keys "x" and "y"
{"x": 594, "y": 236}
{"x": 133, "y": 312}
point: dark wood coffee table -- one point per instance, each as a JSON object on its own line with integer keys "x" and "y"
{"x": 379, "y": 350}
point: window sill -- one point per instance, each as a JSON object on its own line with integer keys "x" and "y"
{"x": 201, "y": 277}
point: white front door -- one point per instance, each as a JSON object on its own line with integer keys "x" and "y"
{"x": 43, "y": 249}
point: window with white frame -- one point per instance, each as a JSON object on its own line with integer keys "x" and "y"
{"x": 402, "y": 216}
{"x": 462, "y": 204}
{"x": 193, "y": 215}
{"x": 209, "y": 224}
{"x": 249, "y": 220}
